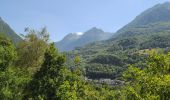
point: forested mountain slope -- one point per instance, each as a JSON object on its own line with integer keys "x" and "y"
{"x": 7, "y": 31}
{"x": 149, "y": 30}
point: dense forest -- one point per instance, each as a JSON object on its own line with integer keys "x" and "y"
{"x": 132, "y": 64}
{"x": 35, "y": 70}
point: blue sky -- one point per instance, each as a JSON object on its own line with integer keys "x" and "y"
{"x": 65, "y": 16}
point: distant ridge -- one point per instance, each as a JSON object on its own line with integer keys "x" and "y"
{"x": 6, "y": 30}
{"x": 73, "y": 40}
{"x": 154, "y": 17}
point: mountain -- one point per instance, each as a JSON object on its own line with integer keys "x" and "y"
{"x": 156, "y": 18}
{"x": 73, "y": 40}
{"x": 158, "y": 13}
{"x": 6, "y": 30}
{"x": 109, "y": 58}
{"x": 68, "y": 42}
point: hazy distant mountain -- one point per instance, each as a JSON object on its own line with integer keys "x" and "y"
{"x": 7, "y": 31}
{"x": 73, "y": 40}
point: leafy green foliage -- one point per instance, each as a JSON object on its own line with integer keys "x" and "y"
{"x": 44, "y": 82}
{"x": 12, "y": 79}
{"x": 12, "y": 84}
{"x": 7, "y": 53}
{"x": 151, "y": 82}
{"x": 31, "y": 50}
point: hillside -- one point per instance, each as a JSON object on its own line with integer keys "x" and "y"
{"x": 6, "y": 30}
{"x": 154, "y": 19}
{"x": 73, "y": 40}
{"x": 108, "y": 59}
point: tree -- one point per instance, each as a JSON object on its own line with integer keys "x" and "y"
{"x": 12, "y": 78}
{"x": 12, "y": 83}
{"x": 31, "y": 50}
{"x": 44, "y": 84}
{"x": 150, "y": 83}
{"x": 55, "y": 81}
{"x": 7, "y": 53}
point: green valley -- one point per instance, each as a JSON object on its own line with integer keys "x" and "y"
{"x": 130, "y": 64}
